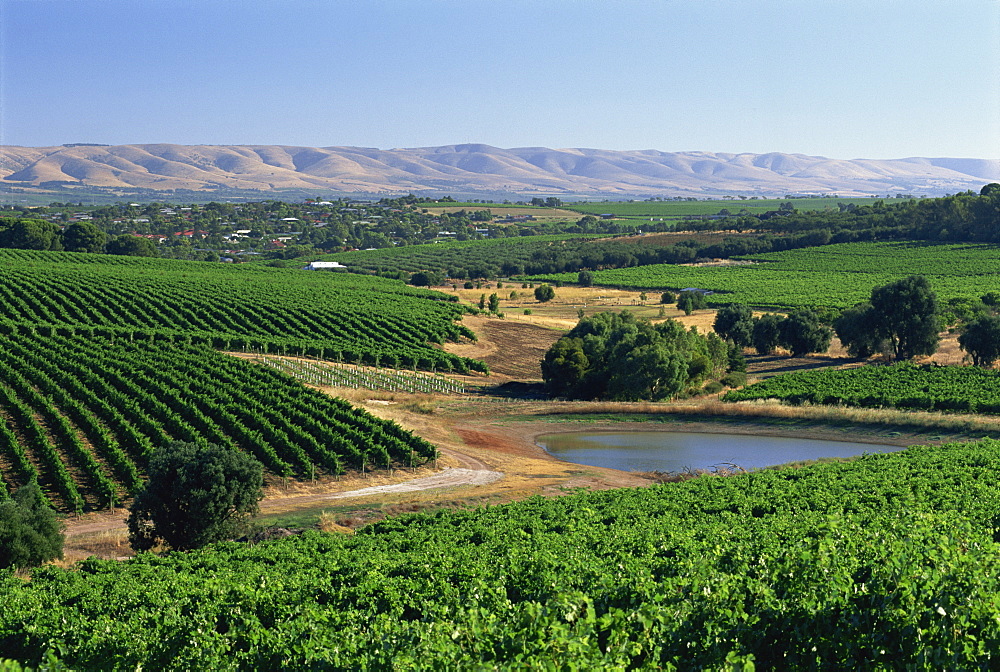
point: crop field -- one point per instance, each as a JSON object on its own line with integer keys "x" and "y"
{"x": 678, "y": 209}
{"x": 340, "y": 317}
{"x": 832, "y": 275}
{"x": 83, "y": 415}
{"x": 473, "y": 257}
{"x": 540, "y": 214}
{"x": 967, "y": 389}
{"x": 103, "y": 359}
{"x": 886, "y": 562}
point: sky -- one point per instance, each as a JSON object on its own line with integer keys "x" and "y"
{"x": 845, "y": 79}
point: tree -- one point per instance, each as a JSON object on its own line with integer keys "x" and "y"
{"x": 482, "y": 302}
{"x": 691, "y": 301}
{"x": 494, "y": 303}
{"x": 667, "y": 297}
{"x": 906, "y": 314}
{"x": 735, "y": 323}
{"x": 31, "y": 234}
{"x": 83, "y": 237}
{"x": 30, "y": 533}
{"x": 195, "y": 495}
{"x": 855, "y": 329}
{"x": 544, "y": 293}
{"x": 802, "y": 332}
{"x": 981, "y": 339}
{"x": 132, "y": 246}
{"x": 585, "y": 279}
{"x": 564, "y": 367}
{"x": 426, "y": 279}
{"x": 766, "y": 335}
{"x": 621, "y": 357}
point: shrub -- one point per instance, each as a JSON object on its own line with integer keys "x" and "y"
{"x": 544, "y": 293}
{"x": 196, "y": 494}
{"x": 30, "y": 533}
{"x": 734, "y": 379}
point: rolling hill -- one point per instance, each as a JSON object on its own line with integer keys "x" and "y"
{"x": 476, "y": 168}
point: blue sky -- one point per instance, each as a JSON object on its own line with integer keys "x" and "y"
{"x": 845, "y": 79}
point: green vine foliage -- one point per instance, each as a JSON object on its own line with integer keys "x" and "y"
{"x": 886, "y": 562}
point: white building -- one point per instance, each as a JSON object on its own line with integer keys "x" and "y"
{"x": 326, "y": 266}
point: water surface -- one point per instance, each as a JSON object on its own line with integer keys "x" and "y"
{"x": 678, "y": 451}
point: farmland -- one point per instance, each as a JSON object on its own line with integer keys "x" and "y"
{"x": 904, "y": 385}
{"x": 103, "y": 359}
{"x": 677, "y": 209}
{"x": 887, "y": 561}
{"x": 460, "y": 259}
{"x": 245, "y": 307}
{"x": 832, "y": 275}
{"x": 84, "y": 415}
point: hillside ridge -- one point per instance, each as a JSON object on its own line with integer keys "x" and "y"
{"x": 478, "y": 168}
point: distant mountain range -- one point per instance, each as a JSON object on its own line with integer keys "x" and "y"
{"x": 471, "y": 169}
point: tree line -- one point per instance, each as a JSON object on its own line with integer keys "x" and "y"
{"x": 901, "y": 320}
{"x": 38, "y": 234}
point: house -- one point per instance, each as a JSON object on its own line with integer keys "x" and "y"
{"x": 325, "y": 266}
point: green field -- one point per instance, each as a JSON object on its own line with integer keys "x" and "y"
{"x": 103, "y": 359}
{"x": 239, "y": 307}
{"x": 886, "y": 562}
{"x": 967, "y": 389}
{"x": 84, "y": 414}
{"x": 472, "y": 258}
{"x": 832, "y": 275}
{"x": 679, "y": 209}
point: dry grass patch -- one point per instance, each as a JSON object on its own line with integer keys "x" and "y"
{"x": 107, "y": 544}
{"x": 328, "y": 522}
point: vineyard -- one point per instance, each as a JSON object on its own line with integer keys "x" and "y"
{"x": 458, "y": 259}
{"x": 347, "y": 318}
{"x": 83, "y": 416}
{"x": 832, "y": 275}
{"x": 103, "y": 359}
{"x": 886, "y": 562}
{"x": 679, "y": 209}
{"x": 322, "y": 373}
{"x": 967, "y": 389}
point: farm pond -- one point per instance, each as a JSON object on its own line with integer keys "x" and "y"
{"x": 680, "y": 451}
